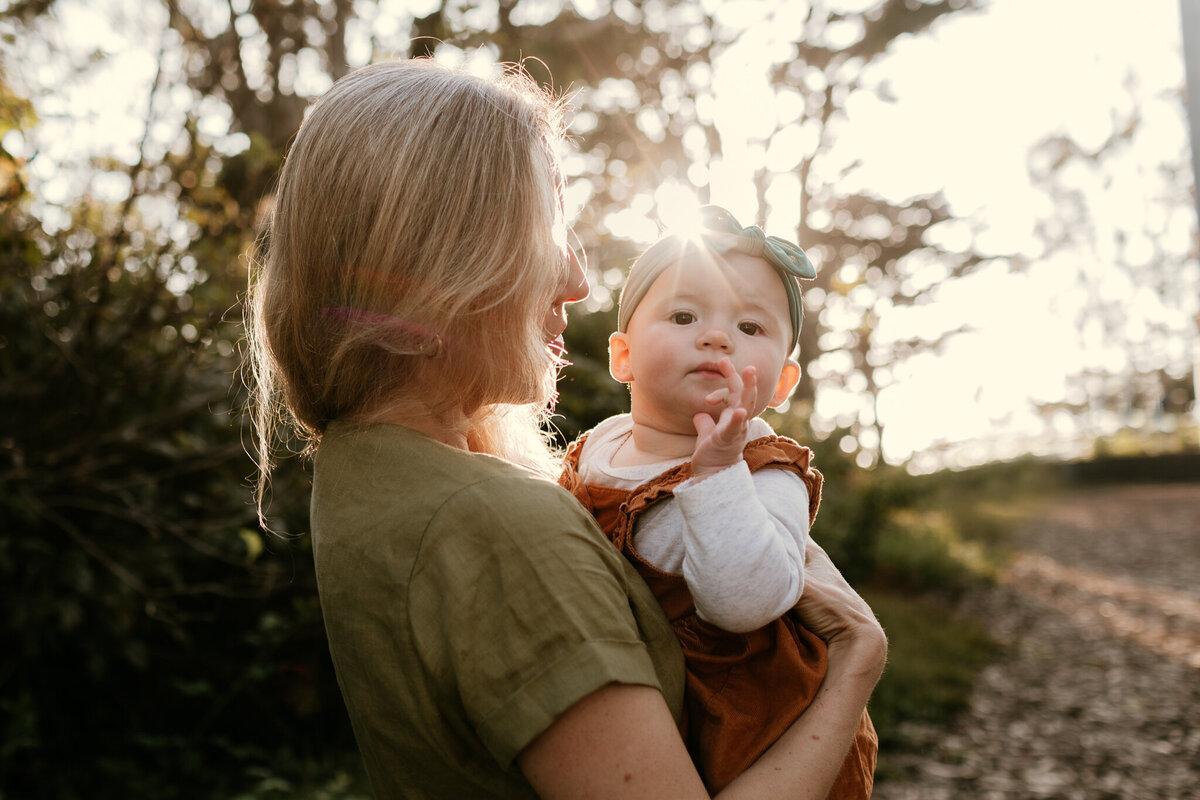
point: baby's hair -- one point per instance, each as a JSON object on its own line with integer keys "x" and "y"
{"x": 417, "y": 230}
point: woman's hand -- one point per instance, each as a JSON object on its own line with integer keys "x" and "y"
{"x": 830, "y": 608}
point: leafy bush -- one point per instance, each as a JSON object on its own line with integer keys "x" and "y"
{"x": 156, "y": 640}
{"x": 587, "y": 393}
{"x": 923, "y": 551}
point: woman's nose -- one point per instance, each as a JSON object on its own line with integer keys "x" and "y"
{"x": 576, "y": 288}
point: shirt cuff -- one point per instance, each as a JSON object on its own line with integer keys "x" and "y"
{"x": 534, "y": 707}
{"x": 733, "y": 480}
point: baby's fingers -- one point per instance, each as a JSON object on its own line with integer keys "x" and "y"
{"x": 718, "y": 444}
{"x": 717, "y": 397}
{"x": 732, "y": 425}
{"x": 733, "y": 381}
{"x": 731, "y": 392}
{"x": 748, "y": 394}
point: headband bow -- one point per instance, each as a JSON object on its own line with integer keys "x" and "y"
{"x": 779, "y": 253}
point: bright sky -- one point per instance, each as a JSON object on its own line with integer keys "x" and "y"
{"x": 970, "y": 100}
{"x": 1004, "y": 80}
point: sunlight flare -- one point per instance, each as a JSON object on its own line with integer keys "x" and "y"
{"x": 678, "y": 210}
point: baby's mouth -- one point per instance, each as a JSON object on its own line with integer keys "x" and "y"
{"x": 709, "y": 369}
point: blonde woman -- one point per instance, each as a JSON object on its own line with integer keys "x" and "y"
{"x": 406, "y": 323}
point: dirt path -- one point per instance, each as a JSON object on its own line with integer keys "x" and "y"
{"x": 1098, "y": 694}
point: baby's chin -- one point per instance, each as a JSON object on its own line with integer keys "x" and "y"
{"x": 714, "y": 412}
{"x": 677, "y": 424}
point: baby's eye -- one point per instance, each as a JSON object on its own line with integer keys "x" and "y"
{"x": 750, "y": 328}
{"x": 683, "y": 318}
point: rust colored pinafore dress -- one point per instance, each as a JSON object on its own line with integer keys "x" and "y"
{"x": 743, "y": 689}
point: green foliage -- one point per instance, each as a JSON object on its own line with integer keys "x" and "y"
{"x": 336, "y": 778}
{"x": 930, "y": 539}
{"x": 923, "y": 550}
{"x": 587, "y": 393}
{"x": 1129, "y": 442}
{"x": 941, "y": 533}
{"x": 856, "y": 503}
{"x": 913, "y": 545}
{"x": 933, "y": 656}
{"x": 984, "y": 503}
{"x": 155, "y": 639}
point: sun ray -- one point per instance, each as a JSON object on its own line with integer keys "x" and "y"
{"x": 678, "y": 210}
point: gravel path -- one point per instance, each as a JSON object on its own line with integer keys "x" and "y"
{"x": 1098, "y": 694}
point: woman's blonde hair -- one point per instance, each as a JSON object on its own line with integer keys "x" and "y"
{"x": 417, "y": 234}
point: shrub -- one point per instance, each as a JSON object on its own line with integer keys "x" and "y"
{"x": 156, "y": 640}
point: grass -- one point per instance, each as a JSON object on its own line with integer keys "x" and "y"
{"x": 332, "y": 777}
{"x": 933, "y": 657}
{"x": 954, "y": 539}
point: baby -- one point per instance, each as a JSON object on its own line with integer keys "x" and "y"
{"x": 704, "y": 499}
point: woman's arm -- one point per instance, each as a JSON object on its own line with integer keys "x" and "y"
{"x": 621, "y": 742}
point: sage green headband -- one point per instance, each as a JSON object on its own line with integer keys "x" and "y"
{"x": 720, "y": 233}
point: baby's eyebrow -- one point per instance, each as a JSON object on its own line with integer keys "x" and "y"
{"x": 757, "y": 304}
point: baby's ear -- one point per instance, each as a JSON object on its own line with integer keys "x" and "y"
{"x": 618, "y": 357}
{"x": 788, "y": 379}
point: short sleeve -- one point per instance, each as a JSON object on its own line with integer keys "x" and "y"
{"x": 519, "y": 601}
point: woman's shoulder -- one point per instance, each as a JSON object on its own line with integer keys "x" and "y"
{"x": 393, "y": 451}
{"x": 514, "y": 508}
{"x": 397, "y": 494}
{"x": 397, "y": 474}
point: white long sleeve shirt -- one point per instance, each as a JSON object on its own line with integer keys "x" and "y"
{"x": 737, "y": 538}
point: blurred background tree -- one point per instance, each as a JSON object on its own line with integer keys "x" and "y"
{"x": 150, "y": 628}
{"x": 156, "y": 638}
{"x": 1137, "y": 383}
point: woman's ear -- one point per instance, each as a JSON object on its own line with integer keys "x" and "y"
{"x": 788, "y": 379}
{"x": 618, "y": 357}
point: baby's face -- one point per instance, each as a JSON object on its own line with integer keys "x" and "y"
{"x": 696, "y": 312}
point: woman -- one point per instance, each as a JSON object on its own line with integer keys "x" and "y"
{"x": 407, "y": 325}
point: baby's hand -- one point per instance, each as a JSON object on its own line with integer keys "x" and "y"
{"x": 719, "y": 444}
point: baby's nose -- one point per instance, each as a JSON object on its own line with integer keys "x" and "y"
{"x": 716, "y": 338}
